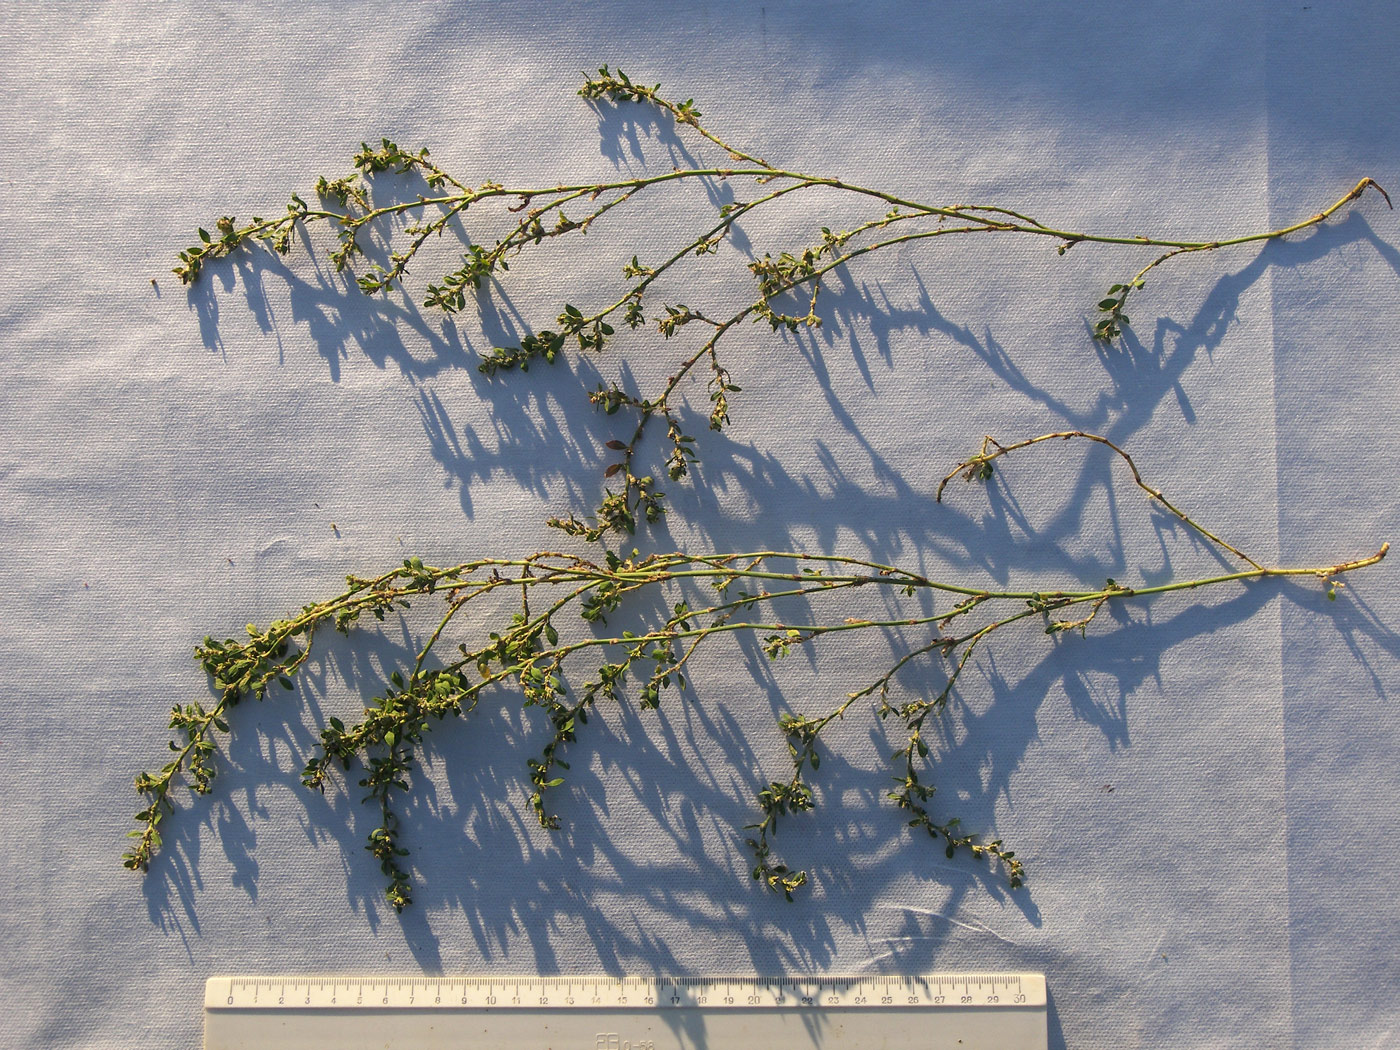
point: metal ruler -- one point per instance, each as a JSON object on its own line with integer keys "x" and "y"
{"x": 944, "y": 1011}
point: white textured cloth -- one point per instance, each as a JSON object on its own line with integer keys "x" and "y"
{"x": 1203, "y": 789}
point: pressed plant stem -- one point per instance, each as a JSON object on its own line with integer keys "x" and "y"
{"x": 980, "y": 467}
{"x": 528, "y": 651}
{"x": 591, "y": 330}
{"x": 980, "y": 215}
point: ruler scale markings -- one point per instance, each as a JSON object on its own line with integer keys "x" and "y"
{"x": 1002, "y": 1010}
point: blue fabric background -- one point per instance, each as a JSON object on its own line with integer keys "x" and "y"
{"x": 1203, "y": 789}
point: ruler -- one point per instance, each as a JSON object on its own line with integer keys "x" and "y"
{"x": 944, "y": 1011}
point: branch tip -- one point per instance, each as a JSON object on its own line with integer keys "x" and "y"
{"x": 1368, "y": 181}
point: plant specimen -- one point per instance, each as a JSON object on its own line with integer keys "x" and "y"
{"x": 553, "y": 643}
{"x": 788, "y": 285}
{"x": 557, "y": 624}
